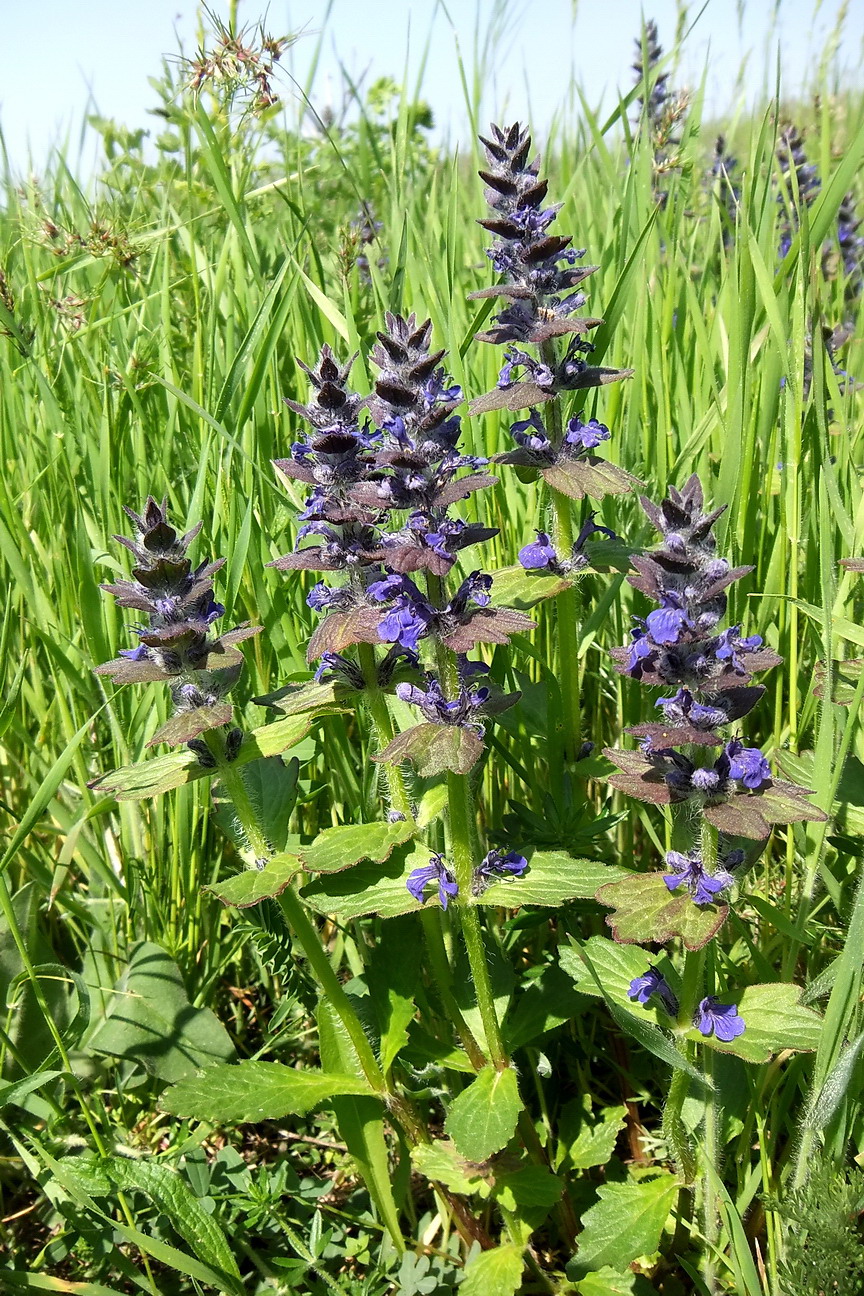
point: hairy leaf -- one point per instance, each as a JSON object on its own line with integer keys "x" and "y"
{"x": 646, "y": 911}
{"x": 338, "y": 848}
{"x": 254, "y": 1091}
{"x": 483, "y": 1117}
{"x": 625, "y": 1223}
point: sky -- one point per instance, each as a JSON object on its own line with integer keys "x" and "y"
{"x": 63, "y": 59}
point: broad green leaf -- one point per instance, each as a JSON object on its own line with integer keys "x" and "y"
{"x": 254, "y": 1091}
{"x": 553, "y": 878}
{"x": 775, "y": 1020}
{"x": 441, "y": 1162}
{"x": 588, "y": 1140}
{"x": 272, "y": 788}
{"x": 393, "y": 977}
{"x": 336, "y": 849}
{"x": 254, "y": 885}
{"x": 483, "y": 1117}
{"x": 150, "y": 1020}
{"x": 529, "y": 1186}
{"x": 370, "y": 888}
{"x": 517, "y": 588}
{"x": 646, "y": 911}
{"x": 170, "y": 1193}
{"x": 608, "y": 1282}
{"x": 494, "y": 1273}
{"x": 360, "y": 1120}
{"x": 625, "y": 1223}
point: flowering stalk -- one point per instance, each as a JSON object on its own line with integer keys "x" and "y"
{"x": 541, "y": 282}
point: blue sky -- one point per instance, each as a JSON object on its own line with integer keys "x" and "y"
{"x": 59, "y": 56}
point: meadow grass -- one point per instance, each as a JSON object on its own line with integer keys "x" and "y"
{"x": 149, "y": 324}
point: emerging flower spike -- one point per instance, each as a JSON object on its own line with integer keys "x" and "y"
{"x": 435, "y": 871}
{"x": 650, "y": 983}
{"x": 720, "y": 1020}
{"x": 176, "y": 644}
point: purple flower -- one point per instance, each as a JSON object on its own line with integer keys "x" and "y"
{"x": 666, "y": 623}
{"x": 435, "y": 871}
{"x": 586, "y": 436}
{"x": 539, "y": 554}
{"x": 495, "y": 865}
{"x": 405, "y": 623}
{"x": 747, "y": 764}
{"x": 689, "y": 871}
{"x": 705, "y": 780}
{"x": 531, "y": 434}
{"x": 650, "y": 983}
{"x": 438, "y": 709}
{"x": 339, "y": 667}
{"x": 722, "y": 1020}
{"x": 729, "y": 645}
{"x": 639, "y": 649}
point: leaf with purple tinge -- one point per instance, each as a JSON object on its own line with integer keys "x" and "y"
{"x": 434, "y": 748}
{"x": 340, "y": 630}
{"x": 844, "y": 680}
{"x": 751, "y": 814}
{"x": 519, "y": 396}
{"x": 588, "y": 475}
{"x": 774, "y": 1021}
{"x": 189, "y": 724}
{"x": 646, "y": 911}
{"x": 493, "y": 625}
{"x": 461, "y": 488}
{"x": 639, "y": 779}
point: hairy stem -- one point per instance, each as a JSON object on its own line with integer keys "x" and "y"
{"x": 382, "y": 721}
{"x": 298, "y": 920}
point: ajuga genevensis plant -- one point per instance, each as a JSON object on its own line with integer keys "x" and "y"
{"x": 441, "y": 1094}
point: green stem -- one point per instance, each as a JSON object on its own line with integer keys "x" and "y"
{"x": 431, "y": 919}
{"x": 462, "y": 855}
{"x": 379, "y": 710}
{"x": 567, "y": 604}
{"x": 298, "y": 920}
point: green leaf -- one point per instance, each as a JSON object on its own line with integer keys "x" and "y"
{"x": 587, "y": 1141}
{"x": 529, "y": 1186}
{"x": 608, "y": 1282}
{"x": 774, "y": 1019}
{"x": 336, "y": 849}
{"x": 553, "y": 877}
{"x": 433, "y": 749}
{"x": 483, "y": 1117}
{"x": 16, "y": 1090}
{"x": 254, "y": 885}
{"x": 645, "y": 910}
{"x": 370, "y": 888}
{"x": 249, "y": 1092}
{"x": 494, "y": 1273}
{"x": 517, "y": 588}
{"x": 393, "y": 977}
{"x": 547, "y": 1001}
{"x": 152, "y": 777}
{"x": 626, "y": 1222}
{"x": 272, "y": 788}
{"x": 171, "y": 1194}
{"x": 439, "y": 1161}
{"x": 150, "y": 1020}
